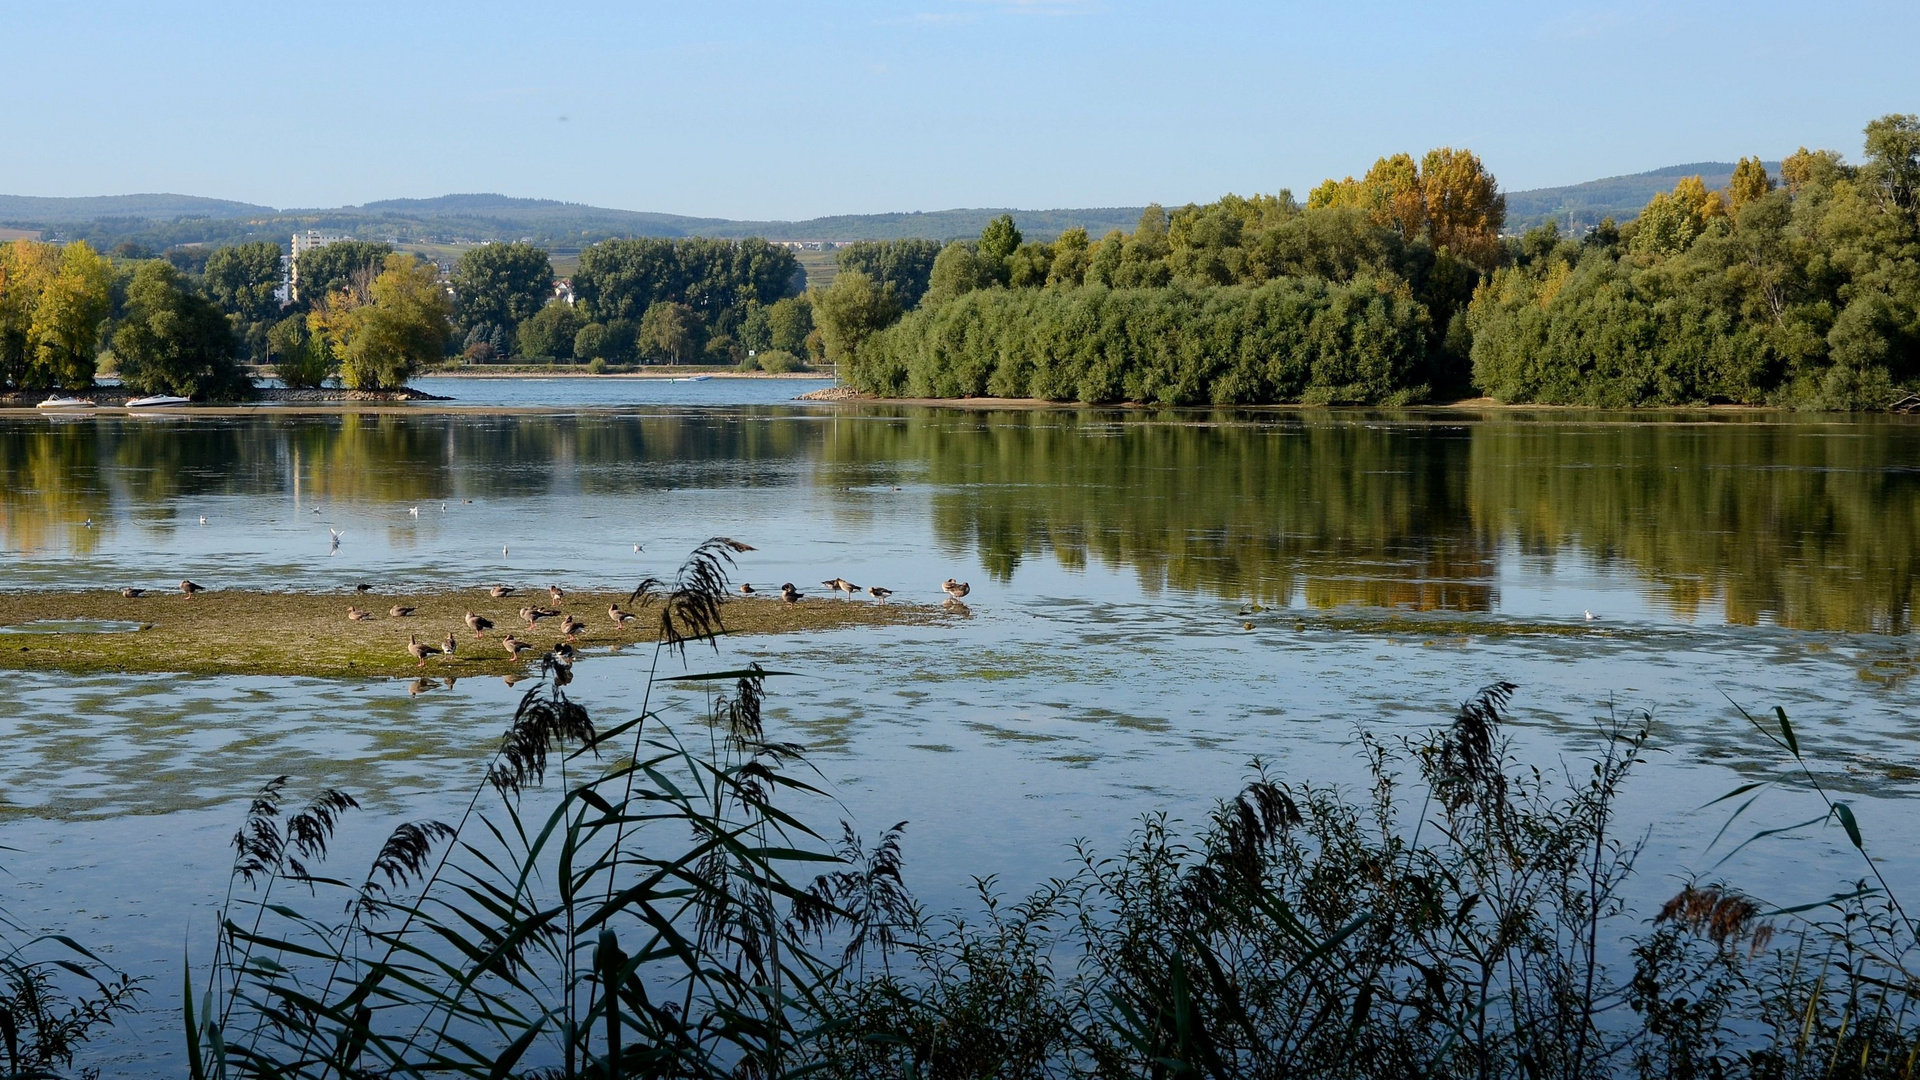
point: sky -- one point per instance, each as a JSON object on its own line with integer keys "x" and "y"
{"x": 787, "y": 110}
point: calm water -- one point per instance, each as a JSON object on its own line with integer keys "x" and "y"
{"x": 1107, "y": 670}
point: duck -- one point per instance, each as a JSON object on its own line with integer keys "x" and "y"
{"x": 572, "y": 627}
{"x": 535, "y": 614}
{"x": 790, "y": 594}
{"x": 514, "y": 646}
{"x": 878, "y": 593}
{"x": 555, "y": 594}
{"x": 620, "y": 618}
{"x": 499, "y": 591}
{"x": 479, "y": 624}
{"x": 956, "y": 589}
{"x": 132, "y": 593}
{"x": 420, "y": 649}
{"x": 448, "y": 646}
{"x": 746, "y": 589}
{"x": 399, "y": 611}
{"x": 354, "y": 614}
{"x": 190, "y": 588}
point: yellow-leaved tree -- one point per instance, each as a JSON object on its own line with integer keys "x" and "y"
{"x": 383, "y": 328}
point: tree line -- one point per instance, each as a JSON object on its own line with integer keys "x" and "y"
{"x": 1798, "y": 290}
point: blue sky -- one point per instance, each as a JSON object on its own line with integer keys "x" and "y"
{"x": 788, "y": 110}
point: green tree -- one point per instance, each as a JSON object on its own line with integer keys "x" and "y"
{"x": 174, "y": 341}
{"x": 385, "y": 331}
{"x": 1893, "y": 160}
{"x": 243, "y": 278}
{"x": 500, "y": 284}
{"x": 998, "y": 241}
{"x": 905, "y": 266}
{"x": 549, "y": 333}
{"x": 669, "y": 332}
{"x": 301, "y": 359}
{"x": 1072, "y": 252}
{"x": 591, "y": 342}
{"x": 324, "y": 270}
{"x": 955, "y": 272}
{"x": 75, "y": 297}
{"x": 851, "y": 310}
{"x": 789, "y": 322}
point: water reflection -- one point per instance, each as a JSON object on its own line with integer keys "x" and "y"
{"x": 1809, "y": 524}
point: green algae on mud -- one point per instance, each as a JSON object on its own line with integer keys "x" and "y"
{"x": 234, "y": 632}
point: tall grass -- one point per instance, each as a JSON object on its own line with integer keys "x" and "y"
{"x": 666, "y": 910}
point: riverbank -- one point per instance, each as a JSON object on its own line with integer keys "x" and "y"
{"x": 235, "y": 632}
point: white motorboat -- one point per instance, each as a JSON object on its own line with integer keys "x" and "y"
{"x": 158, "y": 401}
{"x": 690, "y": 378}
{"x": 66, "y": 403}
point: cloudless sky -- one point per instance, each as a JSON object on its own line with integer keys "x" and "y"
{"x": 766, "y": 109}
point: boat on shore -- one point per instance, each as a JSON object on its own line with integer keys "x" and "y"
{"x": 158, "y": 401}
{"x": 67, "y": 403}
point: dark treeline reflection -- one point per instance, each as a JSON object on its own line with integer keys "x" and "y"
{"x": 1806, "y": 523}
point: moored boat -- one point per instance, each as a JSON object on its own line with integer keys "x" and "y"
{"x": 66, "y": 403}
{"x": 158, "y": 401}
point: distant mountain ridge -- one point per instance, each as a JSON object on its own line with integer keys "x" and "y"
{"x": 159, "y": 221}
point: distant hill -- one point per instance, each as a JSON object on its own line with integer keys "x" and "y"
{"x": 1579, "y": 207}
{"x": 157, "y": 222}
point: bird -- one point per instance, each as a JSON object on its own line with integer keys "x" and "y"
{"x": 466, "y": 502}
{"x": 1591, "y": 616}
{"x": 414, "y": 510}
{"x": 449, "y": 645}
{"x": 790, "y": 594}
{"x": 499, "y": 591}
{"x": 420, "y": 650}
{"x": 555, "y": 593}
{"x": 479, "y": 624}
{"x": 572, "y": 627}
{"x": 87, "y": 524}
{"x": 132, "y": 593}
{"x": 956, "y": 589}
{"x": 363, "y": 588}
{"x": 535, "y": 614}
{"x": 746, "y": 589}
{"x": 514, "y": 646}
{"x": 564, "y": 653}
{"x": 190, "y": 588}
{"x": 878, "y": 593}
{"x": 203, "y": 519}
{"x": 637, "y": 549}
{"x": 336, "y": 534}
{"x": 316, "y": 509}
{"x": 399, "y": 611}
{"x": 503, "y": 551}
{"x": 620, "y": 618}
{"x": 354, "y": 614}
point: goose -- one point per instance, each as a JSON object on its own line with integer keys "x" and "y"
{"x": 190, "y": 588}
{"x": 746, "y": 589}
{"x": 479, "y": 624}
{"x": 878, "y": 593}
{"x": 514, "y": 646}
{"x": 535, "y": 614}
{"x": 555, "y": 594}
{"x": 399, "y": 611}
{"x": 448, "y": 646}
{"x": 363, "y": 587}
{"x": 420, "y": 650}
{"x": 499, "y": 591}
{"x": 956, "y": 589}
{"x": 133, "y": 594}
{"x": 572, "y": 627}
{"x": 354, "y": 614}
{"x": 790, "y": 594}
{"x": 620, "y": 618}
{"x": 564, "y": 653}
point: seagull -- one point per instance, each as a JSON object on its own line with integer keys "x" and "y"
{"x": 414, "y": 510}
{"x": 956, "y": 589}
{"x": 1591, "y": 616}
{"x": 133, "y": 594}
{"x": 316, "y": 509}
{"x": 354, "y": 614}
{"x": 190, "y": 588}
{"x": 499, "y": 591}
{"x": 479, "y": 624}
{"x": 514, "y": 646}
{"x": 420, "y": 651}
{"x": 790, "y": 594}
{"x": 203, "y": 519}
{"x": 399, "y": 611}
{"x": 87, "y": 524}
{"x": 503, "y": 551}
{"x": 746, "y": 589}
{"x": 637, "y": 549}
{"x": 878, "y": 593}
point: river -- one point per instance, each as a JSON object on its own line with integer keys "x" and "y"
{"x": 1157, "y": 598}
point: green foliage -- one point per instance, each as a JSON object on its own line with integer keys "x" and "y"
{"x": 1292, "y": 339}
{"x": 850, "y": 311}
{"x": 53, "y": 303}
{"x": 550, "y": 332}
{"x": 905, "y": 266}
{"x": 500, "y": 284}
{"x": 715, "y": 279}
{"x": 389, "y": 328}
{"x": 173, "y": 341}
{"x": 669, "y": 332}
{"x": 956, "y": 272}
{"x": 302, "y": 359}
{"x": 243, "y": 278}
{"x": 1805, "y": 296}
{"x": 328, "y": 269}
{"x": 779, "y": 362}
